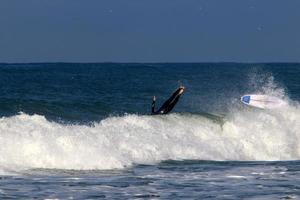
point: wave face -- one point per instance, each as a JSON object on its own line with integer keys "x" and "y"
{"x": 31, "y": 141}
{"x": 81, "y": 93}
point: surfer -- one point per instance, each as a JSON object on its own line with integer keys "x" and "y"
{"x": 169, "y": 104}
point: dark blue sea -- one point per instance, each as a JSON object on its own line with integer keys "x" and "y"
{"x": 84, "y": 131}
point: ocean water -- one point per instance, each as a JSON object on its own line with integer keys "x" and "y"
{"x": 83, "y": 131}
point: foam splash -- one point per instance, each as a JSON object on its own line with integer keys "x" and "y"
{"x": 28, "y": 142}
{"x": 264, "y": 83}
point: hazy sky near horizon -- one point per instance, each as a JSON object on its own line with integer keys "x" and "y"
{"x": 149, "y": 31}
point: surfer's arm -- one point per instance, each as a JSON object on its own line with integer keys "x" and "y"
{"x": 153, "y": 105}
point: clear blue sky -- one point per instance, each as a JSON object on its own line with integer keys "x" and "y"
{"x": 149, "y": 30}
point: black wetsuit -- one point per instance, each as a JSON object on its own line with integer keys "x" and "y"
{"x": 169, "y": 104}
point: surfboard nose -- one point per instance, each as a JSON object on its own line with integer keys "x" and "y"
{"x": 245, "y": 99}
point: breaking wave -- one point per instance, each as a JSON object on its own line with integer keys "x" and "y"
{"x": 31, "y": 141}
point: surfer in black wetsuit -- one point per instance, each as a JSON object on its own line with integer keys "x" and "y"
{"x": 169, "y": 104}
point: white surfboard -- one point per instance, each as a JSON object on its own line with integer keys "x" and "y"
{"x": 263, "y": 101}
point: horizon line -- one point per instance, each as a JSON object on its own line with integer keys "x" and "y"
{"x": 111, "y": 62}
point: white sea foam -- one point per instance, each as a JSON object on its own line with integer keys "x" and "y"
{"x": 31, "y": 141}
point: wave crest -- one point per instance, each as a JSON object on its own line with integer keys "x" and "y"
{"x": 31, "y": 141}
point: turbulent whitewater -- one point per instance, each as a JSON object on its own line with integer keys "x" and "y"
{"x": 32, "y": 141}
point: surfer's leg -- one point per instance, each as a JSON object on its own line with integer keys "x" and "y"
{"x": 171, "y": 102}
{"x": 174, "y": 95}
